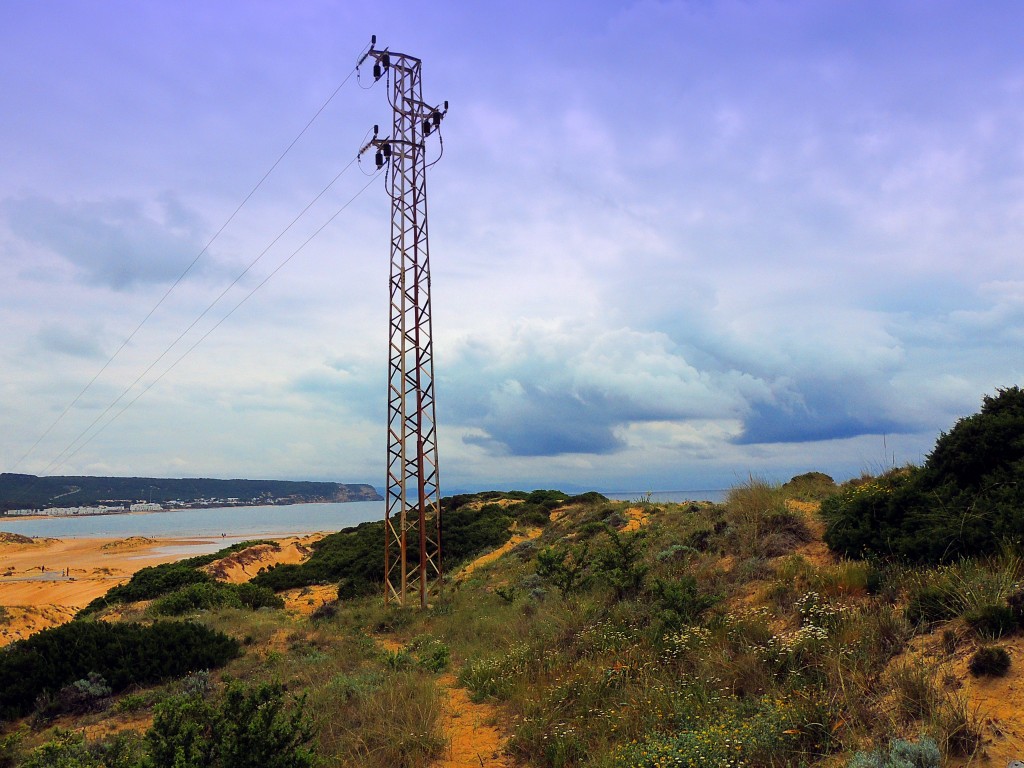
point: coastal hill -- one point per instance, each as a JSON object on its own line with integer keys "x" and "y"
{"x": 19, "y": 491}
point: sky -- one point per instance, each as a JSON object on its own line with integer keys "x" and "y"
{"x": 673, "y": 244}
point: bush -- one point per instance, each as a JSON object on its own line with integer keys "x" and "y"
{"x": 811, "y": 486}
{"x": 352, "y": 558}
{"x": 196, "y": 597}
{"x": 902, "y": 754}
{"x": 564, "y": 568}
{"x": 967, "y": 499}
{"x": 149, "y": 584}
{"x": 254, "y": 596}
{"x": 81, "y": 696}
{"x": 930, "y": 604}
{"x": 158, "y": 580}
{"x": 991, "y": 661}
{"x": 71, "y": 750}
{"x": 992, "y": 621}
{"x": 247, "y": 728}
{"x": 124, "y": 654}
{"x": 10, "y": 749}
{"x": 681, "y": 602}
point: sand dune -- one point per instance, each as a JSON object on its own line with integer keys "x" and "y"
{"x": 44, "y": 582}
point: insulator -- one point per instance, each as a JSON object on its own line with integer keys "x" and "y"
{"x": 385, "y": 60}
{"x": 386, "y": 149}
{"x": 377, "y": 72}
{"x": 379, "y": 159}
{"x": 436, "y": 117}
{"x": 426, "y": 127}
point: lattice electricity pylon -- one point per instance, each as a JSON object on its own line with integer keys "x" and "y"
{"x": 412, "y": 550}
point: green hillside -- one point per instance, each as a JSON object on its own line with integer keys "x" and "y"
{"x": 30, "y": 492}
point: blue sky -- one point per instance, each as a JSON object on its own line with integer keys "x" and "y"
{"x": 673, "y": 243}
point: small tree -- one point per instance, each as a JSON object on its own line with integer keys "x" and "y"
{"x": 565, "y": 568}
{"x": 620, "y": 563}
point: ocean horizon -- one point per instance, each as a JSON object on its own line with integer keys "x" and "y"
{"x": 239, "y": 523}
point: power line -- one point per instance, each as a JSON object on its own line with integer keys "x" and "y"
{"x": 188, "y": 269}
{"x": 202, "y": 338}
{"x": 57, "y": 459}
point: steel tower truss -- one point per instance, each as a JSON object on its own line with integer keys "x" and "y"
{"x": 412, "y": 552}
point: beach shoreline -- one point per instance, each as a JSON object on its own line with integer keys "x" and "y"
{"x": 46, "y": 581}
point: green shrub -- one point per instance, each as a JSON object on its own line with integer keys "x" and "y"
{"x": 352, "y": 558}
{"x": 991, "y": 661}
{"x": 619, "y": 563}
{"x": 967, "y": 499}
{"x": 10, "y": 749}
{"x": 124, "y": 654}
{"x": 149, "y": 584}
{"x": 588, "y": 498}
{"x": 565, "y": 568}
{"x": 196, "y": 597}
{"x": 69, "y": 749}
{"x": 811, "y": 486}
{"x": 246, "y": 728}
{"x": 680, "y": 601}
{"x": 254, "y": 596}
{"x": 992, "y": 621}
{"x": 930, "y": 604}
{"x": 157, "y": 580}
{"x": 901, "y": 754}
{"x": 85, "y": 695}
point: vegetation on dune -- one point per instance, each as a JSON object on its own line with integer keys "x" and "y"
{"x": 121, "y": 654}
{"x": 619, "y": 635}
{"x": 473, "y": 523}
{"x": 159, "y": 580}
{"x": 966, "y": 500}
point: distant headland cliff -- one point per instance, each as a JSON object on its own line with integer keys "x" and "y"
{"x": 98, "y": 495}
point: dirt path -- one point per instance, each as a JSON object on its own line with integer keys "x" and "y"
{"x": 474, "y": 739}
{"x": 504, "y": 549}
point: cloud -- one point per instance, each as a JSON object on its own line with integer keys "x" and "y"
{"x": 556, "y": 389}
{"x": 115, "y": 243}
{"x": 820, "y": 409}
{"x": 65, "y": 341}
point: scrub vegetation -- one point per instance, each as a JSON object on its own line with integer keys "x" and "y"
{"x": 609, "y": 634}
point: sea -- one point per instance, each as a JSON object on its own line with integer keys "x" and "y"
{"x": 232, "y": 524}
{"x": 716, "y": 495}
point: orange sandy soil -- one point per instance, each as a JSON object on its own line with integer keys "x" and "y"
{"x": 84, "y": 569}
{"x": 241, "y": 566}
{"x": 518, "y": 537}
{"x": 473, "y": 738}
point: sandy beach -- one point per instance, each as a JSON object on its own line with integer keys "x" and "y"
{"x": 44, "y": 582}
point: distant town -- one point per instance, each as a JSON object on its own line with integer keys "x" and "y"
{"x": 123, "y": 508}
{"x": 28, "y": 495}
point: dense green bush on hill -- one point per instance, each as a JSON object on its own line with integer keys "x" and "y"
{"x": 353, "y": 555}
{"x": 123, "y": 654}
{"x": 216, "y": 594}
{"x": 967, "y": 499}
{"x": 158, "y": 580}
{"x": 246, "y": 728}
